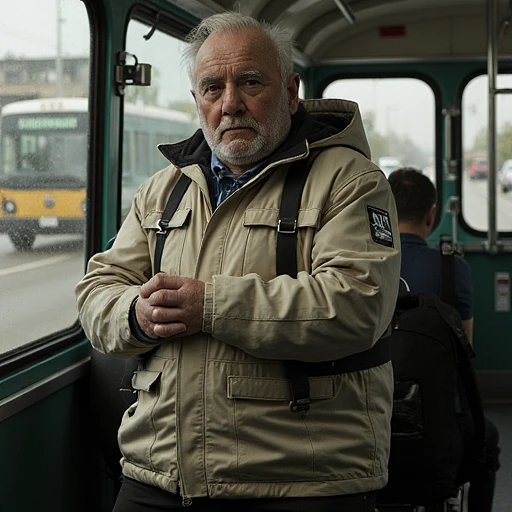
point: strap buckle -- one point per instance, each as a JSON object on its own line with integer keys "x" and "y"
{"x": 447, "y": 249}
{"x": 285, "y": 226}
{"x": 300, "y": 405}
{"x": 163, "y": 226}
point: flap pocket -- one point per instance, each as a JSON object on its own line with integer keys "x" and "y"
{"x": 269, "y": 217}
{"x": 178, "y": 220}
{"x": 144, "y": 380}
{"x": 258, "y": 388}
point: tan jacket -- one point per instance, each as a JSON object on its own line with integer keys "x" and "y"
{"x": 213, "y": 416}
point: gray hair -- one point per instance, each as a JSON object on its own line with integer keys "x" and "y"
{"x": 231, "y": 21}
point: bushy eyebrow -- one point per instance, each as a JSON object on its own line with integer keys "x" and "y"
{"x": 252, "y": 73}
{"x": 207, "y": 80}
{"x": 204, "y": 81}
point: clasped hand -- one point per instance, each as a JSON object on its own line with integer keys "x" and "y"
{"x": 170, "y": 306}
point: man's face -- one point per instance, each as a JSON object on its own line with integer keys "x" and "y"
{"x": 244, "y": 107}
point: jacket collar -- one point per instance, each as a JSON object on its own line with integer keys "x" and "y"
{"x": 303, "y": 131}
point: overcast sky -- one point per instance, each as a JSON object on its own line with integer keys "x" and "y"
{"x": 28, "y": 28}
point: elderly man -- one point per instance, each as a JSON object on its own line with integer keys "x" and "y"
{"x": 219, "y": 325}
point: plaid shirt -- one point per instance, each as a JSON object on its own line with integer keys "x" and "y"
{"x": 224, "y": 182}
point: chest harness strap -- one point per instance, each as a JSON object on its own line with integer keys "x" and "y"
{"x": 298, "y": 372}
{"x": 135, "y": 363}
{"x": 170, "y": 208}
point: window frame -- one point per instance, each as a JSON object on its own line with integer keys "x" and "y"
{"x": 40, "y": 349}
{"x": 479, "y": 71}
{"x": 438, "y": 116}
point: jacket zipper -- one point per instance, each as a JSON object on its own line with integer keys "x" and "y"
{"x": 186, "y": 501}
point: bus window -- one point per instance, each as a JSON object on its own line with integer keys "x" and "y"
{"x": 399, "y": 120}
{"x": 475, "y": 169}
{"x": 8, "y": 155}
{"x": 43, "y": 157}
{"x": 161, "y": 113}
{"x": 143, "y": 156}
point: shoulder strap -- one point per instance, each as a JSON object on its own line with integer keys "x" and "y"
{"x": 171, "y": 207}
{"x": 131, "y": 365}
{"x": 448, "y": 294}
{"x": 288, "y": 215}
{"x": 298, "y": 372}
{"x": 286, "y": 263}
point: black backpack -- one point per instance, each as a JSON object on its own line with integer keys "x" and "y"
{"x": 438, "y": 421}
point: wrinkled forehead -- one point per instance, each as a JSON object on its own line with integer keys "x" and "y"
{"x": 237, "y": 49}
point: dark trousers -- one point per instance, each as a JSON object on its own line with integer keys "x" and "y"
{"x": 483, "y": 481}
{"x": 137, "y": 497}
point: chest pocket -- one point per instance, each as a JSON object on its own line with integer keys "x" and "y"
{"x": 260, "y": 249}
{"x": 173, "y": 251}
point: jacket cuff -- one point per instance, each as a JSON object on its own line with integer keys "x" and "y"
{"x": 135, "y": 329}
{"x": 208, "y": 308}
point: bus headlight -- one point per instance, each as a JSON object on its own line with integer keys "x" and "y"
{"x": 8, "y": 207}
{"x": 83, "y": 205}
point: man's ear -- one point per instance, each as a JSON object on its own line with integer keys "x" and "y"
{"x": 193, "y": 95}
{"x": 431, "y": 216}
{"x": 293, "y": 92}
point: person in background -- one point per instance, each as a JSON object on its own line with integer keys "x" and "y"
{"x": 212, "y": 428}
{"x": 415, "y": 197}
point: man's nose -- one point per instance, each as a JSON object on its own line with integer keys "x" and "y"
{"x": 232, "y": 101}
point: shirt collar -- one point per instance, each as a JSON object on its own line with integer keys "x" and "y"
{"x": 221, "y": 170}
{"x": 411, "y": 239}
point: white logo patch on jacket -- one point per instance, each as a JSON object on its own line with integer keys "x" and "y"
{"x": 380, "y": 226}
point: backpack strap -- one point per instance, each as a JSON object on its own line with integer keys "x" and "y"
{"x": 172, "y": 205}
{"x": 286, "y": 263}
{"x": 134, "y": 364}
{"x": 464, "y": 350}
{"x": 298, "y": 372}
{"x": 448, "y": 293}
{"x": 288, "y": 215}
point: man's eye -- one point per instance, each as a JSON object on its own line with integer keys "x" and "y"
{"x": 252, "y": 82}
{"x": 210, "y": 89}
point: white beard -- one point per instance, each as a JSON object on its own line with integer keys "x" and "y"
{"x": 240, "y": 152}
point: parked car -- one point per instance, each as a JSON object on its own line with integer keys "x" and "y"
{"x": 505, "y": 176}
{"x": 479, "y": 169}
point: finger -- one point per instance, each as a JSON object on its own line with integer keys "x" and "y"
{"x": 143, "y": 314}
{"x": 158, "y": 282}
{"x": 162, "y": 315}
{"x": 169, "y": 329}
{"x": 166, "y": 299}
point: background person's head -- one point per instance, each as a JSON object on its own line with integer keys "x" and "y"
{"x": 415, "y": 197}
{"x": 241, "y": 71}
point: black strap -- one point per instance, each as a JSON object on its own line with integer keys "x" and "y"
{"x": 288, "y": 215}
{"x": 298, "y": 372}
{"x": 171, "y": 207}
{"x": 173, "y": 202}
{"x": 287, "y": 263}
{"x": 448, "y": 293}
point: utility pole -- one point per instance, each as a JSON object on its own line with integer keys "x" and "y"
{"x": 58, "y": 60}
